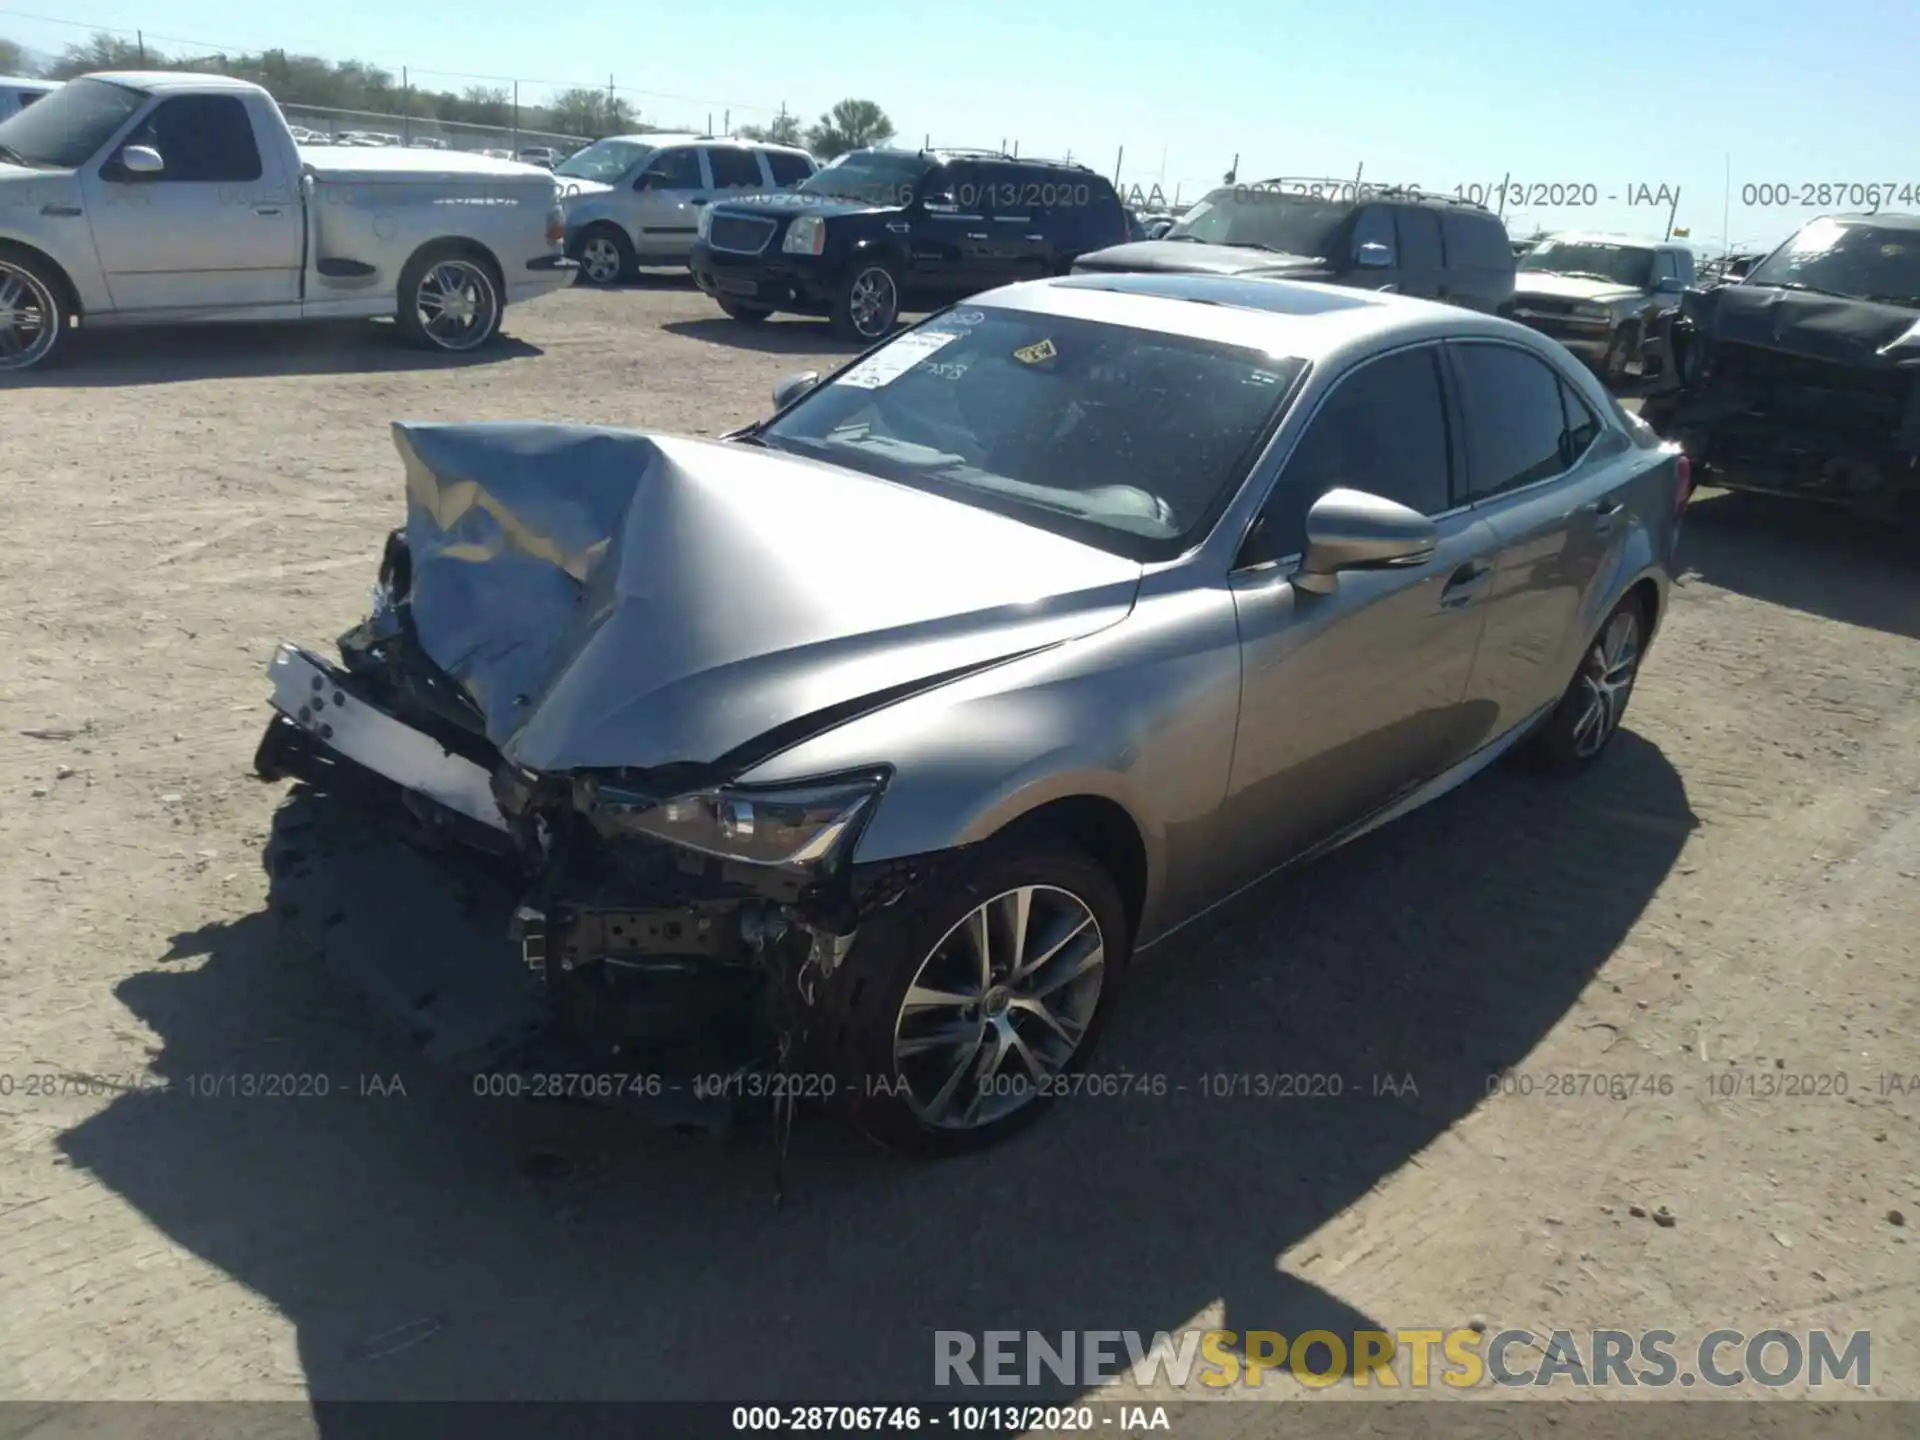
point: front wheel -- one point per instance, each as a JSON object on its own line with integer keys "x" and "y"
{"x": 958, "y": 1016}
{"x": 32, "y": 320}
{"x": 449, "y": 300}
{"x": 605, "y": 254}
{"x": 1589, "y": 713}
{"x": 1621, "y": 354}
{"x": 868, "y": 305}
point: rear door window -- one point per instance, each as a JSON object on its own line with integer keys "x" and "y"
{"x": 734, "y": 169}
{"x": 788, "y": 168}
{"x": 1515, "y": 418}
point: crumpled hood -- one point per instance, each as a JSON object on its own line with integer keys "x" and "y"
{"x": 1568, "y": 287}
{"x": 1821, "y": 327}
{"x": 616, "y": 599}
{"x": 1191, "y": 257}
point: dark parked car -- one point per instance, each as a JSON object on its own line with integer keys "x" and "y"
{"x": 1429, "y": 247}
{"x": 895, "y": 723}
{"x": 878, "y": 231}
{"x": 1602, "y": 296}
{"x": 1803, "y": 378}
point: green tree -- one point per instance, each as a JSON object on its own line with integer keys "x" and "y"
{"x": 581, "y": 111}
{"x": 13, "y": 60}
{"x": 850, "y": 125}
{"x": 486, "y": 105}
{"x": 105, "y": 52}
{"x": 783, "y": 129}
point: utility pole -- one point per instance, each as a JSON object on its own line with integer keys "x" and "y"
{"x": 1672, "y": 211}
{"x": 726, "y": 121}
{"x": 140, "y": 39}
{"x": 1726, "y": 208}
{"x": 1118, "y": 156}
{"x": 516, "y": 118}
{"x": 406, "y": 108}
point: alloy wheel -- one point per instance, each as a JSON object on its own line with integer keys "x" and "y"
{"x": 872, "y": 302}
{"x": 1606, "y": 679}
{"x": 457, "y": 305}
{"x": 29, "y": 318}
{"x": 999, "y": 1007}
{"x": 600, "y": 259}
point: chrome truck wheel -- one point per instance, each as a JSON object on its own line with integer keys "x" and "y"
{"x": 30, "y": 315}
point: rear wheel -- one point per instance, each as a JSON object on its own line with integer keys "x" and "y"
{"x": 868, "y": 305}
{"x": 1589, "y": 713}
{"x": 605, "y": 254}
{"x": 959, "y": 1015}
{"x": 32, "y": 317}
{"x": 449, "y": 300}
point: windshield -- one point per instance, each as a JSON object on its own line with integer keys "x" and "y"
{"x": 1130, "y": 440}
{"x": 1630, "y": 265}
{"x": 64, "y": 130}
{"x": 1861, "y": 261}
{"x": 1292, "y": 224}
{"x": 872, "y": 177}
{"x": 604, "y": 160}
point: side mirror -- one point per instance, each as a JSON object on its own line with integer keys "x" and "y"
{"x": 142, "y": 160}
{"x": 1373, "y": 256}
{"x": 1669, "y": 285}
{"x": 1353, "y": 530}
{"x": 791, "y": 387}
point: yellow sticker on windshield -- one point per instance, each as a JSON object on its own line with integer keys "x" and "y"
{"x": 1035, "y": 353}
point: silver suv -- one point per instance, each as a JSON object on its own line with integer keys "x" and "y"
{"x": 634, "y": 200}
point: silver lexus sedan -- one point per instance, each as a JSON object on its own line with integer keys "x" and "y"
{"x": 865, "y": 747}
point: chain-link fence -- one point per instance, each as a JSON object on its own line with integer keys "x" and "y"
{"x": 432, "y": 134}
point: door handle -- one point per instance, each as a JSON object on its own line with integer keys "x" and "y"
{"x": 266, "y": 209}
{"x": 67, "y": 210}
{"x": 698, "y": 200}
{"x": 972, "y": 235}
{"x": 1465, "y": 584}
{"x": 1605, "y": 510}
{"x": 1036, "y": 237}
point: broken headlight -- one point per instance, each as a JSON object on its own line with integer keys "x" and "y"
{"x": 798, "y": 826}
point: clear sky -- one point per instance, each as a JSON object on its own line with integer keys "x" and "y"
{"x": 1612, "y": 97}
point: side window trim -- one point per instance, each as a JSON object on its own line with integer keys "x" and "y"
{"x": 1500, "y": 497}
{"x": 1274, "y": 463}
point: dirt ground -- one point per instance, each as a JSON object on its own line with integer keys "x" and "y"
{"x": 1729, "y": 901}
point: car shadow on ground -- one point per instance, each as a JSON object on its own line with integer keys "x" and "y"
{"x": 162, "y": 354}
{"x": 779, "y": 335}
{"x": 1806, "y": 557}
{"x": 439, "y": 1244}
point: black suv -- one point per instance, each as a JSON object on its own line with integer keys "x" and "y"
{"x": 1337, "y": 233}
{"x": 878, "y": 231}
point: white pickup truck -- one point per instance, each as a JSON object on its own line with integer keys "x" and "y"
{"x": 173, "y": 198}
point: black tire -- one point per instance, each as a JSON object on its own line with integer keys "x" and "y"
{"x": 33, "y": 312}
{"x": 859, "y": 313}
{"x": 745, "y": 314}
{"x": 455, "y": 272}
{"x": 864, "y": 1004}
{"x": 1562, "y": 745}
{"x": 602, "y": 238}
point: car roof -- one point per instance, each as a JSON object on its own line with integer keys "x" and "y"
{"x": 1889, "y": 219}
{"x": 680, "y": 138}
{"x": 1597, "y": 237}
{"x": 30, "y": 82}
{"x": 1282, "y": 317}
{"x": 159, "y": 81}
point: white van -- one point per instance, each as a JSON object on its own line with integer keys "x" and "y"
{"x": 17, "y": 92}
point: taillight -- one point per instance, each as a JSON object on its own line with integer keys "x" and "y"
{"x": 556, "y": 225}
{"x": 1682, "y": 483}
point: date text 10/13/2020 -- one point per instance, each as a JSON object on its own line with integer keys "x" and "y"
{"x": 1504, "y": 193}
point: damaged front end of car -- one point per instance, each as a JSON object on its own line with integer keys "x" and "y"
{"x": 1786, "y": 392}
{"x": 676, "y": 920}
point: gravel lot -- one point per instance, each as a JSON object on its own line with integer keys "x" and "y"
{"x": 1731, "y": 899}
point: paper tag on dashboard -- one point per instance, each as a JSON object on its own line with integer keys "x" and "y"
{"x": 897, "y": 359}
